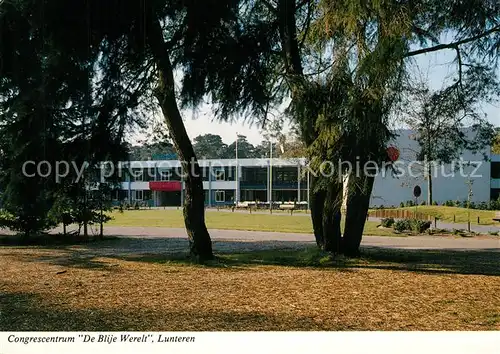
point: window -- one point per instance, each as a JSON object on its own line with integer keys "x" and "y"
{"x": 165, "y": 175}
{"x": 138, "y": 195}
{"x": 495, "y": 170}
{"x": 137, "y": 174}
{"x": 220, "y": 174}
{"x": 220, "y": 196}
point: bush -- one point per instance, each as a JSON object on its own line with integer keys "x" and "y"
{"x": 483, "y": 206}
{"x": 450, "y": 203}
{"x": 420, "y": 225}
{"x": 415, "y": 225}
{"x": 401, "y": 205}
{"x": 6, "y": 219}
{"x": 410, "y": 203}
{"x": 435, "y": 203}
{"x": 493, "y": 205}
{"x": 402, "y": 225}
{"x": 423, "y": 202}
{"x": 387, "y": 222}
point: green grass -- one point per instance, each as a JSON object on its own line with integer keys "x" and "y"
{"x": 446, "y": 213}
{"x": 229, "y": 221}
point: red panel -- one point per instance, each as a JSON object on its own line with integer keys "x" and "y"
{"x": 165, "y": 186}
{"x": 393, "y": 153}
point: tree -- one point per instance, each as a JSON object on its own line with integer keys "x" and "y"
{"x": 286, "y": 145}
{"x": 154, "y": 146}
{"x": 343, "y": 65}
{"x": 210, "y": 146}
{"x": 293, "y": 147}
{"x": 245, "y": 149}
{"x": 375, "y": 41}
{"x": 495, "y": 142}
{"x": 126, "y": 59}
{"x": 448, "y": 121}
{"x": 32, "y": 122}
{"x": 152, "y": 151}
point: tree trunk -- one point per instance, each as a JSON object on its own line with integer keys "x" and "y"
{"x": 428, "y": 167}
{"x": 64, "y": 229}
{"x": 200, "y": 244}
{"x": 317, "y": 202}
{"x": 429, "y": 185}
{"x": 332, "y": 235}
{"x": 85, "y": 228}
{"x": 288, "y": 36}
{"x": 358, "y": 203}
{"x": 101, "y": 226}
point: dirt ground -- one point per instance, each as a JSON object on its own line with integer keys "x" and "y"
{"x": 275, "y": 285}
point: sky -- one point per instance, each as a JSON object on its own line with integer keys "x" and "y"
{"x": 436, "y": 66}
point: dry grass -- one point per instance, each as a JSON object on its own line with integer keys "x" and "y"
{"x": 271, "y": 290}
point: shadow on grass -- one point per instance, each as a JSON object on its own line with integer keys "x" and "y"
{"x": 46, "y": 239}
{"x": 478, "y": 262}
{"x": 235, "y": 255}
{"x": 68, "y": 247}
{"x": 29, "y": 312}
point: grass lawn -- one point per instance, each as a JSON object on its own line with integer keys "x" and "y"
{"x": 446, "y": 213}
{"x": 73, "y": 289}
{"x": 229, "y": 221}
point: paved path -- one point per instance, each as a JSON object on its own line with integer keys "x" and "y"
{"x": 157, "y": 240}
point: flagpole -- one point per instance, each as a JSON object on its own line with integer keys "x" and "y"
{"x": 271, "y": 176}
{"x": 237, "y": 192}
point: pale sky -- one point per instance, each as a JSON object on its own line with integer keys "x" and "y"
{"x": 435, "y": 65}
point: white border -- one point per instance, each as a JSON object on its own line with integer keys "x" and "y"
{"x": 268, "y": 342}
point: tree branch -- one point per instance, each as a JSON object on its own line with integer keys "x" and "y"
{"x": 307, "y": 25}
{"x": 302, "y": 3}
{"x": 453, "y": 45}
{"x": 270, "y": 7}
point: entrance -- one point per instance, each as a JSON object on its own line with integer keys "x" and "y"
{"x": 168, "y": 193}
{"x": 169, "y": 198}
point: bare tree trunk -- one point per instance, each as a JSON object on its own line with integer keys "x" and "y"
{"x": 194, "y": 203}
{"x": 101, "y": 226}
{"x": 428, "y": 167}
{"x": 332, "y": 235}
{"x": 317, "y": 202}
{"x": 429, "y": 185}
{"x": 85, "y": 228}
{"x": 358, "y": 203}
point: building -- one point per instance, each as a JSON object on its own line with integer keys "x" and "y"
{"x": 449, "y": 182}
{"x": 160, "y": 183}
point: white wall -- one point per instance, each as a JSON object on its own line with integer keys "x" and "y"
{"x": 137, "y": 185}
{"x": 389, "y": 190}
{"x": 220, "y": 185}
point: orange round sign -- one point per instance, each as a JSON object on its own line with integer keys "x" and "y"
{"x": 393, "y": 153}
